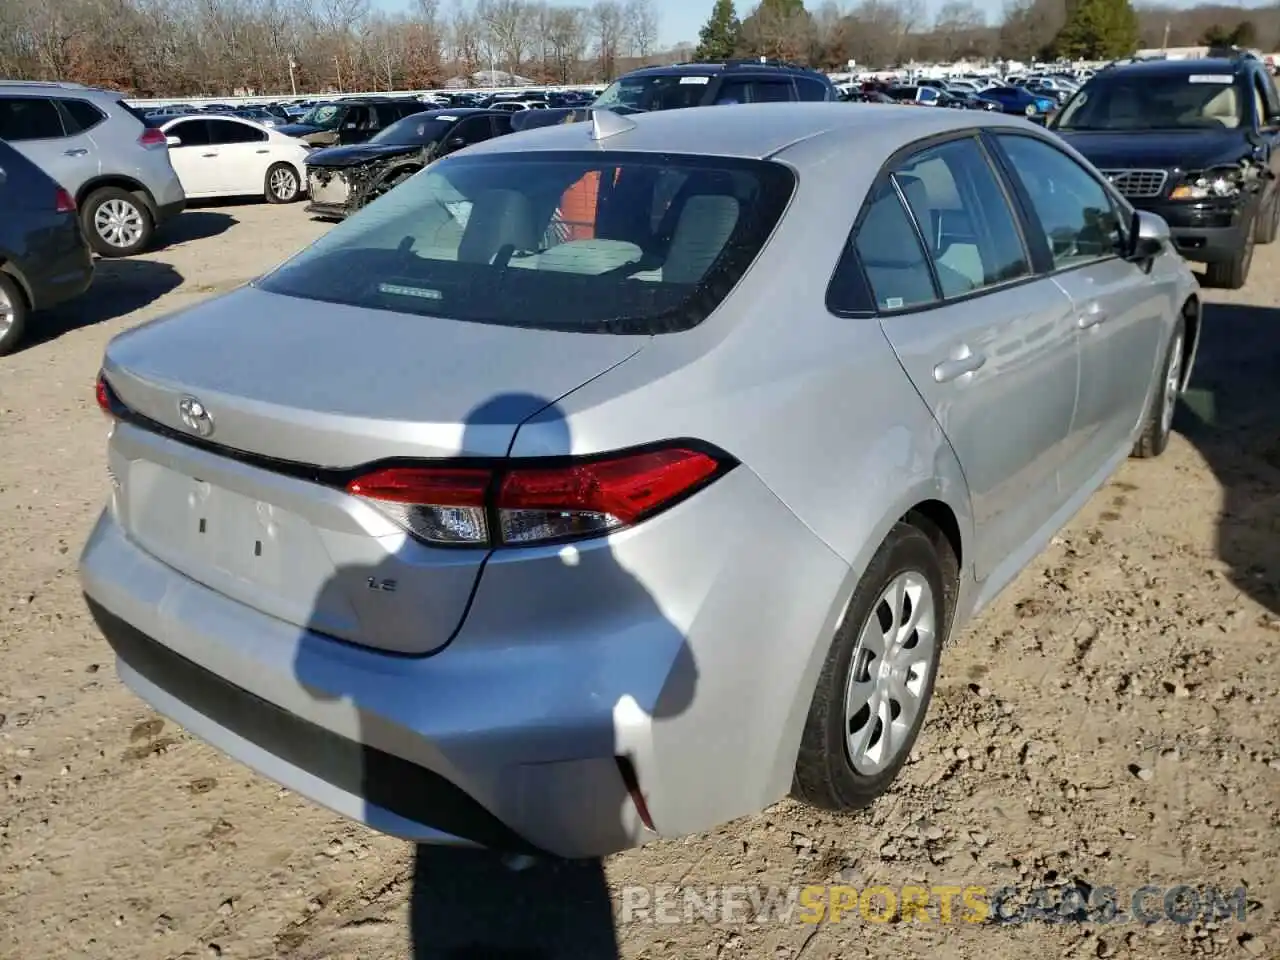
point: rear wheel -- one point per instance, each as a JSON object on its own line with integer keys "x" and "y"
{"x": 13, "y": 314}
{"x": 1158, "y": 424}
{"x": 116, "y": 222}
{"x": 282, "y": 184}
{"x": 876, "y": 683}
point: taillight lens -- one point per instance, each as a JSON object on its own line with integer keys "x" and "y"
{"x": 520, "y": 506}
{"x": 63, "y": 202}
{"x": 108, "y": 402}
{"x": 152, "y": 138}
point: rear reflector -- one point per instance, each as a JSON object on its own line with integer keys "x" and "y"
{"x": 64, "y": 202}
{"x": 516, "y": 506}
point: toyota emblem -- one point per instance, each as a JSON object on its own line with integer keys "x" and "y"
{"x": 195, "y": 417}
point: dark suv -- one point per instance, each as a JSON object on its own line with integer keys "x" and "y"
{"x": 44, "y": 257}
{"x": 697, "y": 85}
{"x": 1195, "y": 141}
{"x": 349, "y": 121}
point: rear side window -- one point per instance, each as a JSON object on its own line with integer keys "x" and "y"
{"x": 80, "y": 115}
{"x": 755, "y": 91}
{"x": 29, "y": 118}
{"x": 599, "y": 242}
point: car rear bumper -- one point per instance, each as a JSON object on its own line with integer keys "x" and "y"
{"x": 511, "y": 735}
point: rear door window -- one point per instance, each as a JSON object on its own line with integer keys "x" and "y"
{"x": 80, "y": 116}
{"x": 810, "y": 89}
{"x": 29, "y": 118}
{"x": 756, "y": 90}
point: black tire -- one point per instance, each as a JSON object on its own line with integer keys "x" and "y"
{"x": 825, "y": 776}
{"x": 141, "y": 224}
{"x": 13, "y": 305}
{"x": 1268, "y": 221}
{"x": 1156, "y": 427}
{"x": 1232, "y": 274}
{"x": 275, "y": 186}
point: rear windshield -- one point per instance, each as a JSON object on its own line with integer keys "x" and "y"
{"x": 598, "y": 242}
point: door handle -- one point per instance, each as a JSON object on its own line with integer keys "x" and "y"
{"x": 1091, "y": 317}
{"x": 949, "y": 370}
{"x": 208, "y": 154}
{"x": 75, "y": 152}
{"x": 262, "y": 151}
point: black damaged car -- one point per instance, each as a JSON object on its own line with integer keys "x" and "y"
{"x": 341, "y": 180}
{"x": 1196, "y": 142}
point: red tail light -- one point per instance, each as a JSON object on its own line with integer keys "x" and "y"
{"x": 64, "y": 202}
{"x": 152, "y": 138}
{"x": 519, "y": 506}
{"x": 108, "y": 402}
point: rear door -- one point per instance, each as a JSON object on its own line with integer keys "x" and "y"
{"x": 1119, "y": 309}
{"x": 80, "y": 119}
{"x": 989, "y": 345}
{"x": 34, "y": 126}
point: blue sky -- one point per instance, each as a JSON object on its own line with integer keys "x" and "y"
{"x": 681, "y": 19}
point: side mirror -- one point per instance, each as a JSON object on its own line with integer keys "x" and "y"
{"x": 456, "y": 143}
{"x": 173, "y": 141}
{"x": 1148, "y": 236}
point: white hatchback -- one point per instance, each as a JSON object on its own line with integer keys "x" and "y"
{"x": 220, "y": 156}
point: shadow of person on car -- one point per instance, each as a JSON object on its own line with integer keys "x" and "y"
{"x": 119, "y": 287}
{"x": 516, "y": 718}
{"x": 1231, "y": 414}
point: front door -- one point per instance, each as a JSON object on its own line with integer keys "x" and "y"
{"x": 1119, "y": 312}
{"x": 989, "y": 346}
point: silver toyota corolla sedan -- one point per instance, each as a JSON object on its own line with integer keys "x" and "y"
{"x": 612, "y": 480}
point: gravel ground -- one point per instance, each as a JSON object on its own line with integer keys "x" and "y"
{"x": 1110, "y": 722}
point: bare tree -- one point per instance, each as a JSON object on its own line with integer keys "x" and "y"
{"x": 641, "y": 27}
{"x": 608, "y": 24}
{"x": 567, "y": 37}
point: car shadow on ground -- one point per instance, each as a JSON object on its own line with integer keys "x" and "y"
{"x": 192, "y": 225}
{"x": 1231, "y": 414}
{"x": 119, "y": 287}
{"x": 469, "y": 904}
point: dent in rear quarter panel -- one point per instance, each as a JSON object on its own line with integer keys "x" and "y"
{"x": 819, "y": 412}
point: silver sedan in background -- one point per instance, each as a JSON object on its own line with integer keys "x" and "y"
{"x": 615, "y": 479}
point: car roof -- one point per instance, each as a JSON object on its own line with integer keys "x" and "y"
{"x": 1148, "y": 68}
{"x": 752, "y": 131}
{"x": 713, "y": 67}
{"x": 434, "y": 112}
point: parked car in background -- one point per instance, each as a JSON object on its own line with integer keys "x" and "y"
{"x": 1021, "y": 101}
{"x": 527, "y": 520}
{"x": 113, "y": 164}
{"x": 680, "y": 85}
{"x": 44, "y": 258}
{"x": 341, "y": 180}
{"x": 349, "y": 121}
{"x": 226, "y": 156}
{"x": 1195, "y": 141}
{"x": 259, "y": 115}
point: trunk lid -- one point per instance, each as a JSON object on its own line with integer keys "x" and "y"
{"x": 296, "y": 393}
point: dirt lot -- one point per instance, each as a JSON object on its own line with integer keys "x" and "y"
{"x": 1112, "y": 721}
